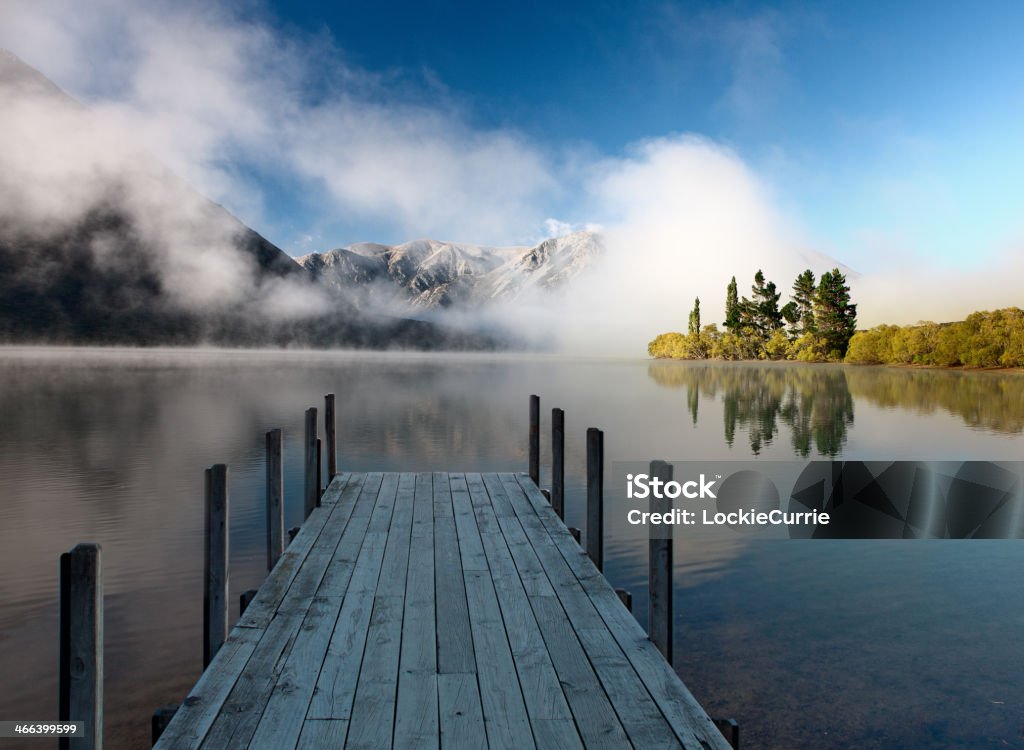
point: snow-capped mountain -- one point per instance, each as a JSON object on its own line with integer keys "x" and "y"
{"x": 429, "y": 274}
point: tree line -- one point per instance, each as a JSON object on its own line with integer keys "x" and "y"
{"x": 815, "y": 325}
{"x": 984, "y": 339}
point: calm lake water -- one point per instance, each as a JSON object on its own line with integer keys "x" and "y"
{"x": 825, "y": 644}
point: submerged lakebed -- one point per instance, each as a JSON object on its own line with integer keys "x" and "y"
{"x": 847, "y": 644}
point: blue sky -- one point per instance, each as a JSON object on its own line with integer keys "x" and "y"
{"x": 877, "y": 125}
{"x": 865, "y": 131}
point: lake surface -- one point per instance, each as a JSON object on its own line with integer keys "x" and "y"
{"x": 823, "y": 644}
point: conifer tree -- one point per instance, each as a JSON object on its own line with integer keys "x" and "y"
{"x": 694, "y": 324}
{"x": 835, "y": 317}
{"x": 804, "y": 293}
{"x": 732, "y": 306}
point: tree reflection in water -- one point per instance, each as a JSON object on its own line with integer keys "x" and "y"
{"x": 814, "y": 402}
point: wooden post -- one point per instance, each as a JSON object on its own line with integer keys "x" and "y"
{"x": 659, "y": 574}
{"x": 626, "y": 598}
{"x": 595, "y": 496}
{"x": 731, "y": 731}
{"x": 161, "y": 718}
{"x": 575, "y": 534}
{"x": 319, "y": 471}
{"x": 215, "y": 597}
{"x": 81, "y": 644}
{"x": 275, "y": 497}
{"x": 535, "y": 439}
{"x": 245, "y": 599}
{"x": 312, "y": 483}
{"x": 330, "y": 428}
{"x": 558, "y": 462}
{"x": 292, "y": 533}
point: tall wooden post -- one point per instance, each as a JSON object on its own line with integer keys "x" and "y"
{"x": 535, "y": 439}
{"x": 215, "y": 597}
{"x": 595, "y": 496}
{"x": 81, "y": 644}
{"x": 312, "y": 485}
{"x": 275, "y": 497}
{"x": 558, "y": 462}
{"x": 660, "y": 564}
{"x": 319, "y": 471}
{"x": 330, "y": 428}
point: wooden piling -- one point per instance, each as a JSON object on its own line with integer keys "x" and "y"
{"x": 730, "y": 729}
{"x": 660, "y": 564}
{"x": 312, "y": 484}
{"x": 626, "y": 598}
{"x": 330, "y": 430}
{"x": 81, "y": 644}
{"x": 215, "y": 596}
{"x": 535, "y": 439}
{"x": 245, "y": 599}
{"x": 275, "y": 497}
{"x": 161, "y": 718}
{"x": 576, "y": 534}
{"x": 319, "y": 471}
{"x": 595, "y": 496}
{"x": 558, "y": 462}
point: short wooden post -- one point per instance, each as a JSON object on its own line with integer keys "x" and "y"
{"x": 319, "y": 471}
{"x": 275, "y": 497}
{"x": 161, "y": 718}
{"x": 330, "y": 428}
{"x": 546, "y": 494}
{"x": 659, "y": 575}
{"x": 292, "y": 533}
{"x": 595, "y": 496}
{"x": 81, "y": 644}
{"x": 575, "y": 534}
{"x": 215, "y": 597}
{"x": 245, "y": 599}
{"x": 535, "y": 439}
{"x": 558, "y": 462}
{"x": 731, "y": 730}
{"x": 626, "y": 598}
{"x": 312, "y": 484}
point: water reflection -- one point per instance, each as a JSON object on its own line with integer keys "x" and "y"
{"x": 815, "y": 403}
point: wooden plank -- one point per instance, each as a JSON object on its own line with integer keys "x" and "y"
{"x": 462, "y": 719}
{"x": 336, "y": 684}
{"x": 81, "y": 644}
{"x": 281, "y": 721}
{"x": 531, "y": 572}
{"x": 546, "y": 705}
{"x": 501, "y": 696}
{"x": 215, "y": 559}
{"x": 416, "y": 715}
{"x": 272, "y": 592}
{"x": 454, "y": 636}
{"x": 640, "y": 719}
{"x": 373, "y": 711}
{"x": 275, "y": 497}
{"x": 323, "y": 734}
{"x": 691, "y": 724}
{"x": 244, "y": 706}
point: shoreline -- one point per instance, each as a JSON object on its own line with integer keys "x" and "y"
{"x": 892, "y": 365}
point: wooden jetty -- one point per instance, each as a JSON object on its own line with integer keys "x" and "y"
{"x": 451, "y": 610}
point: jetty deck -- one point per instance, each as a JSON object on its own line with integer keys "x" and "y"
{"x": 436, "y": 609}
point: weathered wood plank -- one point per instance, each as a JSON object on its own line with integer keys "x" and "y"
{"x": 336, "y": 684}
{"x": 454, "y": 636}
{"x": 323, "y": 734}
{"x": 244, "y": 706}
{"x": 689, "y": 721}
{"x": 416, "y": 715}
{"x": 462, "y": 719}
{"x": 644, "y": 726}
{"x": 470, "y": 549}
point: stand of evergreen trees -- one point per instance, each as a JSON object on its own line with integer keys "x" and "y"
{"x": 816, "y": 325}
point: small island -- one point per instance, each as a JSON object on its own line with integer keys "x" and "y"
{"x": 819, "y": 324}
